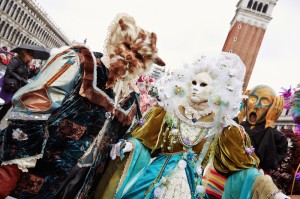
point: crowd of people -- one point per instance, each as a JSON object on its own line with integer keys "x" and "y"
{"x": 94, "y": 125}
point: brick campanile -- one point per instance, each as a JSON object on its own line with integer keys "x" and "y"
{"x": 247, "y": 31}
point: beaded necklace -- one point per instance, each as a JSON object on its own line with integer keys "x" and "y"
{"x": 191, "y": 122}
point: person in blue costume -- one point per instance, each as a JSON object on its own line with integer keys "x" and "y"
{"x": 191, "y": 125}
{"x": 63, "y": 124}
{"x": 171, "y": 144}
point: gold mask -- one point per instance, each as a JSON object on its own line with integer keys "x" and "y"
{"x": 260, "y": 100}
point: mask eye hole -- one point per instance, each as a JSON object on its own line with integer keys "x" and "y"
{"x": 139, "y": 56}
{"x": 194, "y": 82}
{"x": 127, "y": 45}
{"x": 265, "y": 102}
{"x": 203, "y": 84}
{"x": 252, "y": 99}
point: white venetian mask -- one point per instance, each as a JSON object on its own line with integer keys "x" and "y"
{"x": 200, "y": 88}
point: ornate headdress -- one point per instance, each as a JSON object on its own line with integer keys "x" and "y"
{"x": 227, "y": 72}
{"x": 130, "y": 50}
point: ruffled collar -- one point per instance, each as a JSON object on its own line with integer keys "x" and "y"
{"x": 195, "y": 114}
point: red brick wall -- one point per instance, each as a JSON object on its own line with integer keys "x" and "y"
{"x": 247, "y": 45}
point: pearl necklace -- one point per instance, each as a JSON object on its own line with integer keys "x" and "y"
{"x": 191, "y": 122}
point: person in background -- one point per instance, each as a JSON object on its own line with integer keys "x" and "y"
{"x": 16, "y": 76}
{"x": 98, "y": 57}
{"x": 5, "y": 57}
{"x": 262, "y": 109}
{"x": 4, "y": 48}
{"x": 33, "y": 68}
{"x": 4, "y": 60}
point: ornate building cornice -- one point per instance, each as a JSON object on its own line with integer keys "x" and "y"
{"x": 23, "y": 21}
{"x": 254, "y": 13}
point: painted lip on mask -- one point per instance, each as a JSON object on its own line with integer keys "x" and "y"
{"x": 252, "y": 117}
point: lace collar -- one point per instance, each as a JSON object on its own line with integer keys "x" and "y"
{"x": 191, "y": 121}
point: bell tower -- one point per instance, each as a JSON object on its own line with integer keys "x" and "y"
{"x": 247, "y": 31}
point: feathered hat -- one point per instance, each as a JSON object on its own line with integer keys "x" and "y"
{"x": 227, "y": 71}
{"x": 129, "y": 49}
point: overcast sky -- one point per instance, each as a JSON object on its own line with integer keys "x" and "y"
{"x": 188, "y": 28}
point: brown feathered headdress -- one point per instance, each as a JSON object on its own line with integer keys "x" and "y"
{"x": 129, "y": 49}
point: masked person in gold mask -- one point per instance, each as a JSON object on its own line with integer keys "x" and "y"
{"x": 262, "y": 109}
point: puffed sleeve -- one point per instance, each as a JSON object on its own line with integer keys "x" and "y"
{"x": 149, "y": 133}
{"x": 230, "y": 153}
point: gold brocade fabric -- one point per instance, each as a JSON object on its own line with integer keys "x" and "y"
{"x": 263, "y": 187}
{"x": 230, "y": 153}
{"x": 109, "y": 182}
{"x": 151, "y": 134}
{"x": 148, "y": 133}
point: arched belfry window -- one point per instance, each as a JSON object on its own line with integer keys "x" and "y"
{"x": 265, "y": 8}
{"x": 254, "y": 5}
{"x": 250, "y": 4}
{"x": 259, "y": 7}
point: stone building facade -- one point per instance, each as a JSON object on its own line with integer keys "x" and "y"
{"x": 22, "y": 21}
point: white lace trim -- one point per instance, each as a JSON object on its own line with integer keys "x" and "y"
{"x": 177, "y": 185}
{"x": 105, "y": 61}
{"x": 192, "y": 112}
{"x": 24, "y": 163}
{"x": 190, "y": 122}
{"x": 16, "y": 115}
{"x": 110, "y": 100}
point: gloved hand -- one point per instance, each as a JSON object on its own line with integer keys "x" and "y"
{"x": 120, "y": 148}
{"x": 274, "y": 112}
{"x": 23, "y": 81}
{"x": 281, "y": 195}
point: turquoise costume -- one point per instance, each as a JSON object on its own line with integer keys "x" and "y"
{"x": 240, "y": 184}
{"x": 147, "y": 180}
{"x": 191, "y": 126}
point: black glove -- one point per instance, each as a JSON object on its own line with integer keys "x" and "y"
{"x": 23, "y": 81}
